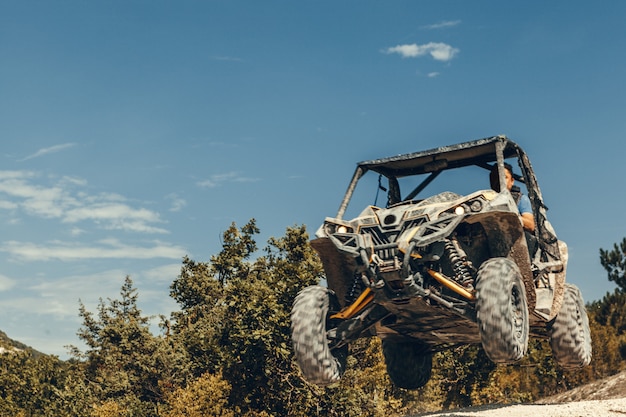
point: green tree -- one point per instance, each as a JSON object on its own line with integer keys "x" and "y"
{"x": 611, "y": 310}
{"x": 256, "y": 332}
{"x": 242, "y": 330}
{"x": 37, "y": 385}
{"x": 607, "y": 318}
{"x": 125, "y": 365}
{"x": 237, "y": 247}
{"x": 614, "y": 261}
{"x": 460, "y": 373}
{"x": 199, "y": 290}
{"x": 206, "y": 396}
{"x": 196, "y": 327}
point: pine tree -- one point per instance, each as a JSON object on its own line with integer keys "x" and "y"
{"x": 614, "y": 261}
{"x": 125, "y": 365}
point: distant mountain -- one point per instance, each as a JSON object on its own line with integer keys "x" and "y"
{"x": 8, "y": 344}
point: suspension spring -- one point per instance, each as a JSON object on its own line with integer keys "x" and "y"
{"x": 355, "y": 289}
{"x": 460, "y": 265}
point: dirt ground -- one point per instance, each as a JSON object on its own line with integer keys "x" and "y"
{"x": 604, "y": 398}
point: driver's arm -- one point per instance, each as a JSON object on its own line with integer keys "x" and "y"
{"x": 528, "y": 221}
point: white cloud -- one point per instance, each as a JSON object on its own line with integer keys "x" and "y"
{"x": 46, "y": 151}
{"x": 36, "y": 200}
{"x": 60, "y": 297}
{"x": 6, "y": 283}
{"x": 108, "y": 211}
{"x": 135, "y": 226}
{"x": 164, "y": 273}
{"x": 62, "y": 201}
{"x": 6, "y": 175}
{"x": 177, "y": 203}
{"x": 219, "y": 179}
{"x": 8, "y": 205}
{"x": 26, "y": 305}
{"x": 73, "y": 251}
{"x": 438, "y": 51}
{"x": 116, "y": 215}
{"x": 76, "y": 231}
{"x": 442, "y": 25}
{"x": 73, "y": 181}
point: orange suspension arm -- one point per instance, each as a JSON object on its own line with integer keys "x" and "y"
{"x": 451, "y": 285}
{"x": 363, "y": 301}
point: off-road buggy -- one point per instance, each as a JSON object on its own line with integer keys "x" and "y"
{"x": 428, "y": 274}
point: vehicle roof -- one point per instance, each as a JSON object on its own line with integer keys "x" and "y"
{"x": 476, "y": 152}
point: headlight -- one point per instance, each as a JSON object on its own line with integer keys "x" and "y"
{"x": 476, "y": 206}
{"x": 332, "y": 228}
{"x": 459, "y": 210}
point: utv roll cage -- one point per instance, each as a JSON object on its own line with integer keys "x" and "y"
{"x": 482, "y": 153}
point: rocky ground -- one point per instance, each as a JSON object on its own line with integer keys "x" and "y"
{"x": 604, "y": 398}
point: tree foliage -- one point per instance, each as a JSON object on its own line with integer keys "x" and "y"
{"x": 125, "y": 366}
{"x": 614, "y": 261}
{"x": 226, "y": 351}
{"x": 205, "y": 396}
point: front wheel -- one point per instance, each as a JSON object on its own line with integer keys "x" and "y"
{"x": 570, "y": 337}
{"x": 502, "y": 310}
{"x": 310, "y": 322}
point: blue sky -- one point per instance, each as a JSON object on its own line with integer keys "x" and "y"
{"x": 132, "y": 133}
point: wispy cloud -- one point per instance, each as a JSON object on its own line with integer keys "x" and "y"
{"x": 8, "y": 175}
{"x": 60, "y": 297}
{"x": 104, "y": 249}
{"x": 163, "y": 274}
{"x": 442, "y": 25}
{"x": 49, "y": 150}
{"x": 65, "y": 200}
{"x": 6, "y": 283}
{"x": 219, "y": 179}
{"x": 177, "y": 203}
{"x": 115, "y": 215}
{"x": 8, "y": 205}
{"x": 76, "y": 231}
{"x": 437, "y": 50}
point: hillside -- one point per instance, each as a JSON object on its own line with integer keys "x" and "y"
{"x": 606, "y": 397}
{"x": 613, "y": 387}
{"x": 8, "y": 344}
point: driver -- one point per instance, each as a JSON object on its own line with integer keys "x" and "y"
{"x": 523, "y": 202}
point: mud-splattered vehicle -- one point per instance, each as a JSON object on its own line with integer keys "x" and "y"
{"x": 428, "y": 274}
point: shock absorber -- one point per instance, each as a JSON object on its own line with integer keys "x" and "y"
{"x": 355, "y": 289}
{"x": 460, "y": 264}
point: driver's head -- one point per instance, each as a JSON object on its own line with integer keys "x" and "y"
{"x": 508, "y": 175}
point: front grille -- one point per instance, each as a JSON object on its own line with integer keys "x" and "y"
{"x": 386, "y": 237}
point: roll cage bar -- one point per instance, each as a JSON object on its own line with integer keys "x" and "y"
{"x": 482, "y": 152}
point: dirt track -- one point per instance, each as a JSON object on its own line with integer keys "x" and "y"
{"x": 605, "y": 398}
{"x": 597, "y": 408}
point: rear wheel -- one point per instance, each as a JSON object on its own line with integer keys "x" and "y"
{"x": 570, "y": 337}
{"x": 310, "y": 322}
{"x": 502, "y": 310}
{"x": 408, "y": 366}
